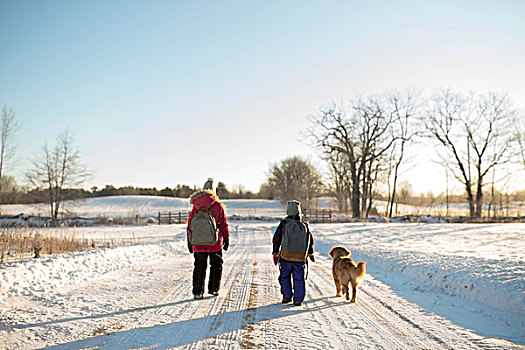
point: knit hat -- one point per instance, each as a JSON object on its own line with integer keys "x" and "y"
{"x": 293, "y": 208}
{"x": 208, "y": 185}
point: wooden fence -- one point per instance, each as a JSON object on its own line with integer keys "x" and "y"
{"x": 313, "y": 216}
{"x": 173, "y": 217}
{"x": 317, "y": 216}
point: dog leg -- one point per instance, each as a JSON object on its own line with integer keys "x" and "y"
{"x": 336, "y": 281}
{"x": 337, "y": 287}
{"x": 345, "y": 292}
{"x": 354, "y": 291}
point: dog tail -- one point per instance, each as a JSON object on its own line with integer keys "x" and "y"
{"x": 361, "y": 269}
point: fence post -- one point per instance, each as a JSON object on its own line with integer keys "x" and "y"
{"x": 159, "y": 217}
{"x": 169, "y": 217}
{"x": 180, "y": 217}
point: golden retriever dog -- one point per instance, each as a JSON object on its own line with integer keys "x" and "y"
{"x": 346, "y": 271}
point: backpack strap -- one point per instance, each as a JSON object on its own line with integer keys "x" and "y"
{"x": 212, "y": 205}
{"x": 208, "y": 208}
{"x": 216, "y": 221}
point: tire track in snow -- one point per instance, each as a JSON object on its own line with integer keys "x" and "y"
{"x": 210, "y": 308}
{"x": 251, "y": 313}
{"x": 386, "y": 325}
{"x": 208, "y": 313}
{"x": 405, "y": 334}
{"x": 331, "y": 319}
{"x": 225, "y": 327}
{"x": 345, "y": 318}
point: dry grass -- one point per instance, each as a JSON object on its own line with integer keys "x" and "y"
{"x": 18, "y": 244}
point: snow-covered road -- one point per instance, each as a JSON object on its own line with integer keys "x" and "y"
{"x": 148, "y": 305}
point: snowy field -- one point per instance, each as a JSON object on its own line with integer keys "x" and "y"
{"x": 430, "y": 286}
{"x": 144, "y": 206}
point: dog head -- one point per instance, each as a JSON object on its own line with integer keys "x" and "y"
{"x": 337, "y": 252}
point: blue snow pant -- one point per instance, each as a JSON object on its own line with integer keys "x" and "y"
{"x": 291, "y": 270}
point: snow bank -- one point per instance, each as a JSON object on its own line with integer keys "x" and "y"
{"x": 119, "y": 233}
{"x": 479, "y": 262}
{"x": 464, "y": 277}
{"x": 43, "y": 275}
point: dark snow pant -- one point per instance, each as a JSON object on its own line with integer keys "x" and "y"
{"x": 292, "y": 270}
{"x": 199, "y": 271}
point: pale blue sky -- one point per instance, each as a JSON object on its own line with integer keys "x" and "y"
{"x": 166, "y": 92}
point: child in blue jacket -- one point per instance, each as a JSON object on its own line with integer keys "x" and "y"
{"x": 292, "y": 244}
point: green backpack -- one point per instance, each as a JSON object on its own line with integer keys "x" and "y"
{"x": 203, "y": 228}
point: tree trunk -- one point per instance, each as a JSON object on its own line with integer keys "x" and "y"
{"x": 51, "y": 202}
{"x": 55, "y": 214}
{"x": 470, "y": 199}
{"x": 364, "y": 192}
{"x": 491, "y": 212}
{"x": 355, "y": 195}
{"x": 393, "y": 195}
{"x": 479, "y": 197}
{"x": 370, "y": 200}
{"x": 356, "y": 200}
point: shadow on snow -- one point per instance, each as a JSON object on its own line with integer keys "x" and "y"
{"x": 189, "y": 331}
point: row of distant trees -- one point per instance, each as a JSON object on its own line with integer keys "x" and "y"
{"x": 365, "y": 142}
{"x": 15, "y": 194}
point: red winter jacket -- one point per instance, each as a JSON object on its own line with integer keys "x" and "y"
{"x": 202, "y": 200}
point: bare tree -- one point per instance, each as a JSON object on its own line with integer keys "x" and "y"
{"x": 55, "y": 169}
{"x": 374, "y": 140}
{"x": 334, "y": 133}
{"x": 406, "y": 109}
{"x": 295, "y": 178}
{"x": 360, "y": 139}
{"x": 475, "y": 136}
{"x": 9, "y": 127}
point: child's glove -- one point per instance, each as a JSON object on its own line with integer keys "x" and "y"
{"x": 275, "y": 260}
{"x": 312, "y": 257}
{"x": 190, "y": 248}
{"x": 225, "y": 243}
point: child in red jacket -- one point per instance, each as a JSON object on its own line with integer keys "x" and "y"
{"x": 206, "y": 199}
